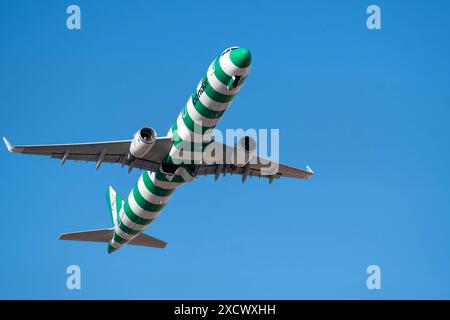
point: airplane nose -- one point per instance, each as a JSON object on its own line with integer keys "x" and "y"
{"x": 241, "y": 57}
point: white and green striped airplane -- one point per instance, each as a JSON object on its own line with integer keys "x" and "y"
{"x": 170, "y": 161}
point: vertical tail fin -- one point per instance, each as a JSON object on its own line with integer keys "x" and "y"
{"x": 115, "y": 204}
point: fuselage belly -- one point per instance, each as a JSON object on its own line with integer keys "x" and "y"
{"x": 199, "y": 116}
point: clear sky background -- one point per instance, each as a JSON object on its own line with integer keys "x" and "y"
{"x": 368, "y": 110}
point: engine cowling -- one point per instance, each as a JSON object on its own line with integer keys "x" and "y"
{"x": 143, "y": 142}
{"x": 245, "y": 151}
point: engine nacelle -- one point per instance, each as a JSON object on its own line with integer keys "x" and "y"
{"x": 143, "y": 142}
{"x": 245, "y": 151}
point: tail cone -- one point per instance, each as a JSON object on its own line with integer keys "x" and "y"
{"x": 111, "y": 249}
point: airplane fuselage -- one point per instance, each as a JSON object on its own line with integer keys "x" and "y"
{"x": 190, "y": 134}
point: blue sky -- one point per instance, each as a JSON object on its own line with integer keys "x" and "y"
{"x": 367, "y": 110}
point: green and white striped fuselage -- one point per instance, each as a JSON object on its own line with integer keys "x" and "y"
{"x": 200, "y": 115}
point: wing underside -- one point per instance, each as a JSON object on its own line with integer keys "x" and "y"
{"x": 254, "y": 170}
{"x": 257, "y": 167}
{"x": 118, "y": 152}
{"x": 99, "y": 152}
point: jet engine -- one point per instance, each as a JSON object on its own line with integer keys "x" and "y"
{"x": 143, "y": 142}
{"x": 245, "y": 151}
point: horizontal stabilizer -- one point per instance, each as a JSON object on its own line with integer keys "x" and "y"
{"x": 105, "y": 235}
{"x": 100, "y": 235}
{"x": 147, "y": 241}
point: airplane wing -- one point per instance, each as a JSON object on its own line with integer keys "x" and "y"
{"x": 254, "y": 170}
{"x": 99, "y": 152}
{"x": 117, "y": 152}
{"x": 258, "y": 167}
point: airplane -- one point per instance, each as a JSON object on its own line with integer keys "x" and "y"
{"x": 168, "y": 162}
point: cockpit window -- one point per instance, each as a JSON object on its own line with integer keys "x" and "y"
{"x": 228, "y": 50}
{"x": 234, "y": 82}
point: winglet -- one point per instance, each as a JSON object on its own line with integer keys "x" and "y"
{"x": 8, "y": 145}
{"x": 308, "y": 169}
